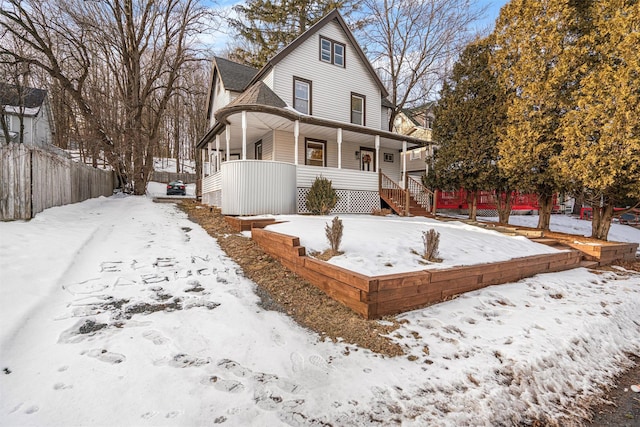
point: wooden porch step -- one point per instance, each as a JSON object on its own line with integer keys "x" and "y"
{"x": 589, "y": 264}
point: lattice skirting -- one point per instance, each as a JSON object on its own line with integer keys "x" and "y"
{"x": 213, "y": 198}
{"x": 350, "y": 201}
{"x": 485, "y": 212}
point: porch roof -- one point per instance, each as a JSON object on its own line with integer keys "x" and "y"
{"x": 266, "y": 111}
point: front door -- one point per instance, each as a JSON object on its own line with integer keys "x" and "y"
{"x": 367, "y": 159}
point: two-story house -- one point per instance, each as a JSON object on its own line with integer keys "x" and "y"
{"x": 317, "y": 108}
{"x": 26, "y": 114}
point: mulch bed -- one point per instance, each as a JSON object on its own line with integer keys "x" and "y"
{"x": 281, "y": 290}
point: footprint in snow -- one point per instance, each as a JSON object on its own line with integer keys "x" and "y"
{"x": 319, "y": 362}
{"x": 219, "y": 383}
{"x": 105, "y": 356}
{"x": 297, "y": 362}
{"x": 237, "y": 369}
{"x": 32, "y": 409}
{"x": 267, "y": 399}
{"x": 277, "y": 338}
{"x": 186, "y": 361}
{"x": 61, "y": 386}
{"x": 155, "y": 336}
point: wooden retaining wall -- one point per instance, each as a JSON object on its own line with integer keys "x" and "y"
{"x": 606, "y": 252}
{"x": 32, "y": 180}
{"x": 373, "y": 297}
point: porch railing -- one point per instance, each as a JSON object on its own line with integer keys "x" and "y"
{"x": 421, "y": 194}
{"x": 393, "y": 194}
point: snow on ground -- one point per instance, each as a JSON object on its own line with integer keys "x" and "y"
{"x": 376, "y": 245}
{"x": 120, "y": 311}
{"x": 162, "y": 164}
{"x": 572, "y": 225}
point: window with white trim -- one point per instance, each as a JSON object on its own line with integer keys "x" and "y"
{"x": 332, "y": 51}
{"x": 357, "y": 109}
{"x": 302, "y": 95}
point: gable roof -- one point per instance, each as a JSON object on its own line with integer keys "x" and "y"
{"x": 333, "y": 15}
{"x": 234, "y": 76}
{"x": 31, "y": 97}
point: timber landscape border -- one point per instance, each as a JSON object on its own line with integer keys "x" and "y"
{"x": 375, "y": 296}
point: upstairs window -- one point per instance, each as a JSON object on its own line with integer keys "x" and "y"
{"x": 357, "y": 109}
{"x": 332, "y": 51}
{"x": 302, "y": 95}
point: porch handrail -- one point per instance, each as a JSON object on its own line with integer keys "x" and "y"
{"x": 421, "y": 194}
{"x": 392, "y": 191}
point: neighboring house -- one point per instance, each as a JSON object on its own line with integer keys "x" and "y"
{"x": 417, "y": 122}
{"x": 317, "y": 108}
{"x": 32, "y": 106}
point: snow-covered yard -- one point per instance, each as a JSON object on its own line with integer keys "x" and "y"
{"x": 375, "y": 245}
{"x": 120, "y": 311}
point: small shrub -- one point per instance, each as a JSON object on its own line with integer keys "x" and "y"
{"x": 431, "y": 240}
{"x": 334, "y": 234}
{"x": 381, "y": 212}
{"x": 322, "y": 198}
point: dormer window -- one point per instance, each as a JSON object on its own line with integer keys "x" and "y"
{"x": 332, "y": 51}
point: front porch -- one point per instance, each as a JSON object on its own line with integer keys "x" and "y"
{"x": 254, "y": 187}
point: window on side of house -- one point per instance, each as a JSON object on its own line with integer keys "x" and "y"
{"x": 315, "y": 150}
{"x": 357, "y": 109}
{"x": 332, "y": 51}
{"x": 302, "y": 95}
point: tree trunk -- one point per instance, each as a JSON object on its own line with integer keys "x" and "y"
{"x": 472, "y": 201}
{"x": 545, "y": 205}
{"x": 601, "y": 221}
{"x": 503, "y": 204}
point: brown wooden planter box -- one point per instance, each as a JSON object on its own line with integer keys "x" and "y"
{"x": 376, "y": 296}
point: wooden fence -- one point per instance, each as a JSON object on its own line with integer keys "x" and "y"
{"x": 33, "y": 180}
{"x": 166, "y": 177}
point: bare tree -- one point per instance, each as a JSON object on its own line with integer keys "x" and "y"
{"x": 411, "y": 42}
{"x": 118, "y": 60}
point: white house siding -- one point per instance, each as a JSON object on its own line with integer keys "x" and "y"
{"x": 284, "y": 152}
{"x": 268, "y": 78}
{"x": 267, "y": 146}
{"x": 221, "y": 98}
{"x": 331, "y": 85}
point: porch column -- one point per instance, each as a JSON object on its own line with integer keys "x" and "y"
{"x": 404, "y": 161}
{"x": 296, "y": 134}
{"x": 209, "y": 150}
{"x": 227, "y": 132}
{"x": 377, "y": 153}
{"x": 244, "y": 135}
{"x": 204, "y": 156}
{"x": 217, "y": 152}
{"x": 339, "y": 139}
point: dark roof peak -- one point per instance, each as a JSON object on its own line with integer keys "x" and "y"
{"x": 235, "y": 76}
{"x": 17, "y": 96}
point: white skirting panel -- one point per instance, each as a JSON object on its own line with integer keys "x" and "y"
{"x": 254, "y": 187}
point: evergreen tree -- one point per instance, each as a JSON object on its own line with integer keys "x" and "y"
{"x": 266, "y": 26}
{"x": 470, "y": 110}
{"x": 531, "y": 39}
{"x": 601, "y": 147}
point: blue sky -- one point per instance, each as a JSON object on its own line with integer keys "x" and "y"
{"x": 493, "y": 9}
